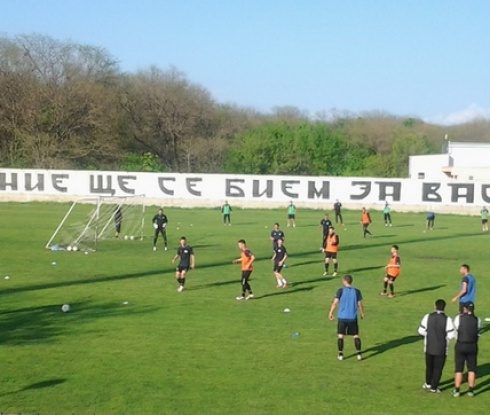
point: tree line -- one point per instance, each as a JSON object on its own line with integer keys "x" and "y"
{"x": 65, "y": 105}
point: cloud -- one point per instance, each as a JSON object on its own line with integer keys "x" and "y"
{"x": 473, "y": 112}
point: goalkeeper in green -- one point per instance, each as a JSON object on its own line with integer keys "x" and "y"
{"x": 226, "y": 211}
{"x": 160, "y": 222}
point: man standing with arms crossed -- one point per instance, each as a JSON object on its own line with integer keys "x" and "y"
{"x": 468, "y": 288}
{"x": 467, "y": 328}
{"x": 349, "y": 301}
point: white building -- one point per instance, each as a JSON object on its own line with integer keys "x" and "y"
{"x": 462, "y": 162}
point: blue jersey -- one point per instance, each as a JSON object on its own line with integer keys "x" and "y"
{"x": 348, "y": 298}
{"x": 470, "y": 281}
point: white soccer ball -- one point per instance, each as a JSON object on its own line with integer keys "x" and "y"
{"x": 69, "y": 248}
{"x": 53, "y": 263}
{"x": 287, "y": 310}
{"x": 7, "y": 277}
{"x": 65, "y": 308}
{"x": 126, "y": 237}
{"x": 131, "y": 237}
{"x": 74, "y": 248}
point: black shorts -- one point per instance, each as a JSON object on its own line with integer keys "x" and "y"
{"x": 277, "y": 268}
{"x": 348, "y": 327}
{"x": 182, "y": 268}
{"x": 291, "y": 216}
{"x": 465, "y": 353}
{"x": 462, "y": 305}
{"x": 390, "y": 278}
{"x": 484, "y": 221}
{"x": 329, "y": 255}
{"x": 246, "y": 275}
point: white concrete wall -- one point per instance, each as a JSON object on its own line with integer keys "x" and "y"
{"x": 247, "y": 191}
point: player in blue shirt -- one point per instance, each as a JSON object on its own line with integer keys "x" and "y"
{"x": 468, "y": 288}
{"x": 349, "y": 301}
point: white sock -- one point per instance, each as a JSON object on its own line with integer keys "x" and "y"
{"x": 284, "y": 282}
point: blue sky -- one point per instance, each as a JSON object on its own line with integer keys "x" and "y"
{"x": 422, "y": 58}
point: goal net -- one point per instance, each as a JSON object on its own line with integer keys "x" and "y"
{"x": 92, "y": 220}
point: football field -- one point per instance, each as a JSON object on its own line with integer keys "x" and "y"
{"x": 131, "y": 344}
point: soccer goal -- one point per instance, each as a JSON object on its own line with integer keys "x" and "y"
{"x": 91, "y": 220}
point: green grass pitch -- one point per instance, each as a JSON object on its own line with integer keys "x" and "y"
{"x": 203, "y": 352}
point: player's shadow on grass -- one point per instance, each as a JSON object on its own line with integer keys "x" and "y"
{"x": 214, "y": 284}
{"x": 319, "y": 279}
{"x": 390, "y": 345}
{"x": 371, "y": 244}
{"x": 31, "y": 325}
{"x": 313, "y": 261}
{"x": 485, "y": 329}
{"x": 37, "y": 385}
{"x": 95, "y": 279}
{"x": 204, "y": 245}
{"x": 419, "y": 290}
{"x": 285, "y": 292}
{"x": 482, "y": 385}
{"x": 351, "y": 271}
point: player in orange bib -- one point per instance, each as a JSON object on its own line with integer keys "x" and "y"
{"x": 366, "y": 221}
{"x": 392, "y": 272}
{"x": 246, "y": 260}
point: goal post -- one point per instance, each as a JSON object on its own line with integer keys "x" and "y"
{"x": 91, "y": 220}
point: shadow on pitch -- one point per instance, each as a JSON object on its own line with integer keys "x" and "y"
{"x": 286, "y": 292}
{"x": 215, "y": 284}
{"x": 485, "y": 328}
{"x": 370, "y": 243}
{"x": 390, "y": 345}
{"x": 319, "y": 279}
{"x": 482, "y": 371}
{"x": 31, "y": 325}
{"x": 351, "y": 271}
{"x": 482, "y": 385}
{"x": 419, "y": 290}
{"x": 38, "y": 385}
